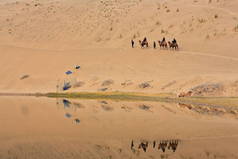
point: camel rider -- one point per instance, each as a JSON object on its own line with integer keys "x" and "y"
{"x": 174, "y": 41}
{"x": 154, "y": 45}
{"x": 145, "y": 40}
{"x": 132, "y": 43}
{"x": 163, "y": 40}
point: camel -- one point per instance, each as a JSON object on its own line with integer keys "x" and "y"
{"x": 173, "y": 45}
{"x": 163, "y": 44}
{"x": 143, "y": 44}
{"x": 163, "y": 145}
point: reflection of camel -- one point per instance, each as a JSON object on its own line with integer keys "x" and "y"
{"x": 144, "y": 146}
{"x": 163, "y": 145}
{"x": 132, "y": 144}
{"x": 154, "y": 143}
{"x": 173, "y": 144}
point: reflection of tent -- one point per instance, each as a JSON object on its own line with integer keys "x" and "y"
{"x": 66, "y": 103}
{"x": 67, "y": 115}
{"x": 68, "y": 72}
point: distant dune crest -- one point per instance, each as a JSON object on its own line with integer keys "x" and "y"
{"x": 112, "y": 23}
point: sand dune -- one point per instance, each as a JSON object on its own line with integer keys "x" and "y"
{"x": 42, "y": 39}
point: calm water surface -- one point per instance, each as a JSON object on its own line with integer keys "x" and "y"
{"x": 44, "y": 128}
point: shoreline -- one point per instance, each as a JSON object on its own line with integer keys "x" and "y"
{"x": 134, "y": 96}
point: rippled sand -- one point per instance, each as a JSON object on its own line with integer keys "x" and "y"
{"x": 43, "y": 128}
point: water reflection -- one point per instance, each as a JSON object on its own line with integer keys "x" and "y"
{"x": 66, "y": 103}
{"x": 68, "y": 115}
{"x": 107, "y": 107}
{"x": 69, "y": 104}
{"x": 210, "y": 110}
{"x": 77, "y": 121}
{"x": 188, "y": 131}
{"x": 145, "y": 107}
{"x": 74, "y": 106}
{"x": 126, "y": 108}
{"x": 162, "y": 145}
{"x": 25, "y": 110}
{"x": 78, "y": 105}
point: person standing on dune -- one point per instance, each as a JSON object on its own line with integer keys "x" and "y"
{"x": 154, "y": 45}
{"x": 132, "y": 43}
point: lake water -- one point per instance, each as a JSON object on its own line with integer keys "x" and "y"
{"x": 47, "y": 128}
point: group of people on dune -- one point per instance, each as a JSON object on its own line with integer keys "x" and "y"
{"x": 163, "y": 44}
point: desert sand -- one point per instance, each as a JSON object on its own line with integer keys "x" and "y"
{"x": 42, "y": 39}
{"x": 36, "y": 128}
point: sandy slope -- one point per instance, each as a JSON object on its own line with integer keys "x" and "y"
{"x": 45, "y": 38}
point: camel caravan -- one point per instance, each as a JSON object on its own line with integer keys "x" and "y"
{"x": 162, "y": 44}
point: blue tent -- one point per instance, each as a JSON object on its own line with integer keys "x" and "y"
{"x": 68, "y": 72}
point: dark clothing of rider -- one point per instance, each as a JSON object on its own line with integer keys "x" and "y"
{"x": 132, "y": 43}
{"x": 145, "y": 39}
{"x": 174, "y": 41}
{"x": 163, "y": 39}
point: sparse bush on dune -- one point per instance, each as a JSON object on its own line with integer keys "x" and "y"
{"x": 107, "y": 82}
{"x": 236, "y": 28}
{"x": 215, "y": 16}
{"x": 164, "y": 31}
{"x": 202, "y": 20}
{"x": 208, "y": 89}
{"x": 120, "y": 36}
{"x": 98, "y": 39}
{"x": 157, "y": 23}
{"x": 207, "y": 36}
{"x": 78, "y": 84}
{"x": 171, "y": 26}
{"x": 136, "y": 35}
{"x": 145, "y": 85}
